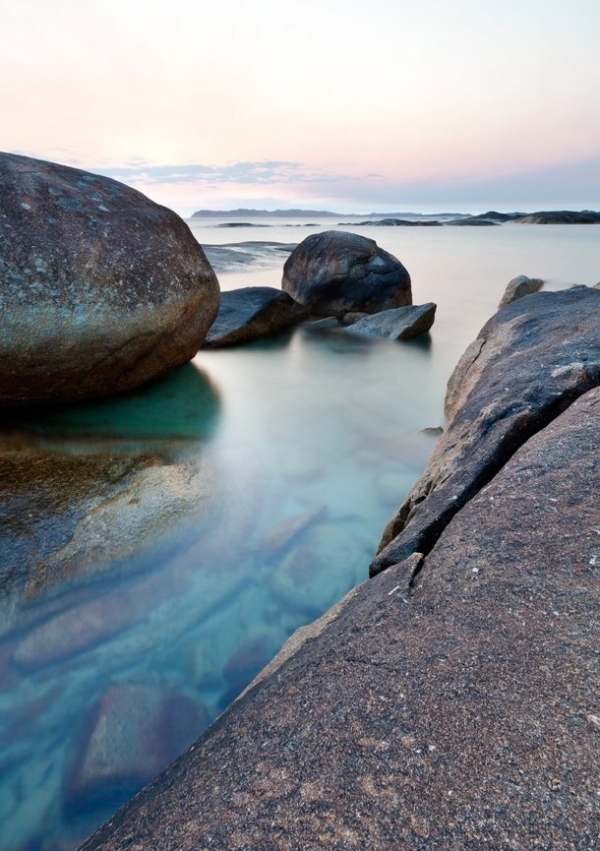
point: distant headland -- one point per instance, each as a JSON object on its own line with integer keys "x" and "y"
{"x": 492, "y": 217}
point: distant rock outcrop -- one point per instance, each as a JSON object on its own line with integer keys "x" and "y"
{"x": 102, "y": 289}
{"x": 561, "y": 217}
{"x": 336, "y": 272}
{"x": 251, "y": 313}
{"x": 473, "y": 221}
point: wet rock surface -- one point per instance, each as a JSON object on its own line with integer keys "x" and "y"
{"x": 102, "y": 289}
{"x": 336, "y": 272}
{"x": 530, "y": 362}
{"x": 401, "y": 323}
{"x": 519, "y": 287}
{"x": 454, "y": 712}
{"x": 251, "y": 313}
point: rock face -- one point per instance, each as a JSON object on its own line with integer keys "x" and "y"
{"x": 401, "y": 323}
{"x": 252, "y": 313}
{"x": 529, "y": 362}
{"x": 101, "y": 289}
{"x": 519, "y": 287}
{"x": 335, "y": 272}
{"x": 452, "y": 701}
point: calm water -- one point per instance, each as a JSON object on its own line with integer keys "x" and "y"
{"x": 263, "y": 478}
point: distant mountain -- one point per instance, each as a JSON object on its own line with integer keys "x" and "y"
{"x": 396, "y": 219}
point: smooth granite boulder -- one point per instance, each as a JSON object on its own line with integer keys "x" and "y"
{"x": 101, "y": 289}
{"x": 251, "y": 313}
{"x": 336, "y": 272}
{"x": 400, "y": 323}
{"x": 519, "y": 287}
{"x": 530, "y": 361}
{"x": 453, "y": 713}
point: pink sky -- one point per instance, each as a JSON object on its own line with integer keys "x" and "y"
{"x": 354, "y": 106}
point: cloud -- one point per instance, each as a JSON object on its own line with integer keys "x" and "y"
{"x": 255, "y": 173}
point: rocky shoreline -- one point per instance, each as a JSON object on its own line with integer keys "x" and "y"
{"x": 450, "y": 702}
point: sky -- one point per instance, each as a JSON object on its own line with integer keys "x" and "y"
{"x": 347, "y": 105}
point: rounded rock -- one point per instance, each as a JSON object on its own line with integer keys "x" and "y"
{"x": 101, "y": 288}
{"x": 335, "y": 272}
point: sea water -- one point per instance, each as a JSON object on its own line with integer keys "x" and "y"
{"x": 288, "y": 455}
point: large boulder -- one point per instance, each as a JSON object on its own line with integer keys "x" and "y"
{"x": 100, "y": 288}
{"x": 336, "y": 272}
{"x": 251, "y": 313}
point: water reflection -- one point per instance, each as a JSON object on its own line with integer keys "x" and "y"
{"x": 183, "y": 405}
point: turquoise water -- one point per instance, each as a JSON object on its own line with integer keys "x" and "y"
{"x": 257, "y": 481}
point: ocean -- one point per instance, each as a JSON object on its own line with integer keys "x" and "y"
{"x": 270, "y": 471}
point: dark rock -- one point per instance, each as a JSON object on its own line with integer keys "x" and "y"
{"x": 335, "y": 272}
{"x": 493, "y": 215}
{"x": 473, "y": 221}
{"x": 394, "y": 223}
{"x": 530, "y": 361}
{"x": 519, "y": 287}
{"x": 458, "y": 715}
{"x": 401, "y": 323}
{"x": 561, "y": 217}
{"x": 102, "y": 289}
{"x": 351, "y": 318}
{"x": 241, "y": 225}
{"x": 251, "y": 313}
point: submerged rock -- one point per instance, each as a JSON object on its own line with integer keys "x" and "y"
{"x": 252, "y": 313}
{"x": 101, "y": 289}
{"x": 401, "y": 323}
{"x": 335, "y": 272}
{"x": 131, "y": 733}
{"x": 519, "y": 287}
{"x": 88, "y": 489}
